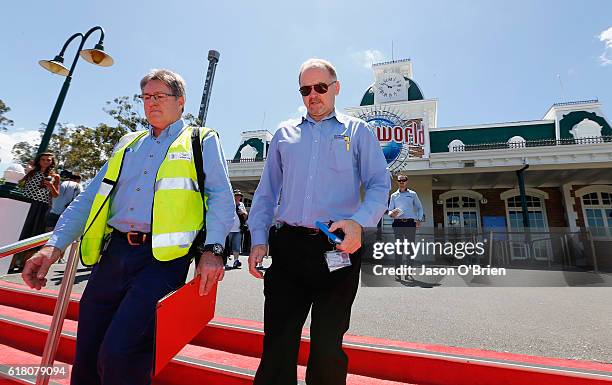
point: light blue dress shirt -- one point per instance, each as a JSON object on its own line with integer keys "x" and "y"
{"x": 132, "y": 201}
{"x": 409, "y": 202}
{"x": 320, "y": 168}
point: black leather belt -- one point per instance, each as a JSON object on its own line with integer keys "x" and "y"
{"x": 301, "y": 230}
{"x": 134, "y": 238}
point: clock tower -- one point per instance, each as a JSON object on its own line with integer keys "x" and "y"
{"x": 391, "y": 81}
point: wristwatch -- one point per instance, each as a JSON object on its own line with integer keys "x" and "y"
{"x": 215, "y": 248}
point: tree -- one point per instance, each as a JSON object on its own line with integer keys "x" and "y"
{"x": 4, "y": 121}
{"x": 126, "y": 113}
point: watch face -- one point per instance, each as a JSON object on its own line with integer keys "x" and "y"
{"x": 217, "y": 249}
{"x": 390, "y": 85}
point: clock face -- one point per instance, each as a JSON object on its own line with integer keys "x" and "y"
{"x": 390, "y": 86}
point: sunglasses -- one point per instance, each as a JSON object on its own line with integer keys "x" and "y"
{"x": 403, "y": 181}
{"x": 320, "y": 88}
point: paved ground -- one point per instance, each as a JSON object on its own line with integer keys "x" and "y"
{"x": 564, "y": 322}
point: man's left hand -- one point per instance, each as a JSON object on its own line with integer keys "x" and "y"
{"x": 211, "y": 270}
{"x": 352, "y": 235}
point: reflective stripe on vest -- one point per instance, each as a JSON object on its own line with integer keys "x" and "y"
{"x": 177, "y": 211}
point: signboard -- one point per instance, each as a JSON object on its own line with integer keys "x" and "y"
{"x": 400, "y": 137}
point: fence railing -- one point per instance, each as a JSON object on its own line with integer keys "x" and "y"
{"x": 246, "y": 160}
{"x": 532, "y": 143}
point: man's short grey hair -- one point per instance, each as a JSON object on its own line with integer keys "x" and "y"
{"x": 169, "y": 78}
{"x": 318, "y": 63}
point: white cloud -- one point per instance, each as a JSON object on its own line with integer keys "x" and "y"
{"x": 10, "y": 138}
{"x": 300, "y": 111}
{"x": 606, "y": 37}
{"x": 367, "y": 57}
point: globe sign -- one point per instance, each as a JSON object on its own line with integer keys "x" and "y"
{"x": 391, "y": 149}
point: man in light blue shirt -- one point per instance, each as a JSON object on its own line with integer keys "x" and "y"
{"x": 405, "y": 205}
{"x": 115, "y": 338}
{"x": 407, "y": 212}
{"x": 320, "y": 162}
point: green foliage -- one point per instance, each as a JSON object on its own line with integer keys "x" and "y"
{"x": 4, "y": 121}
{"x": 125, "y": 113}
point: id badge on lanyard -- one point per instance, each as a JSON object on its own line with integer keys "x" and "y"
{"x": 337, "y": 259}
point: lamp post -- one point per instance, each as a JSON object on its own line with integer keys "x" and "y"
{"x": 95, "y": 55}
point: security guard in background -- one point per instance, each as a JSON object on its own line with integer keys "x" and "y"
{"x": 140, "y": 217}
{"x": 320, "y": 162}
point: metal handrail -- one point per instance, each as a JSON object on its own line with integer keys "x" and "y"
{"x": 25, "y": 244}
{"x": 63, "y": 298}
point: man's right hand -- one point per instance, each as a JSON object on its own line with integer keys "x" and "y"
{"x": 37, "y": 267}
{"x": 258, "y": 252}
{"x": 393, "y": 213}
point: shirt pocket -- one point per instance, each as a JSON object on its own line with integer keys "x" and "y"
{"x": 341, "y": 158}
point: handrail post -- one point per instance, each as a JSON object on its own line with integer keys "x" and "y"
{"x": 59, "y": 313}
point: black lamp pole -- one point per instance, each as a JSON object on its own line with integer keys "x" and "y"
{"x": 95, "y": 56}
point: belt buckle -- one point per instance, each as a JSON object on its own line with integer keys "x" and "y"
{"x": 134, "y": 243}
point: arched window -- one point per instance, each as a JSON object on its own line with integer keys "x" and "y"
{"x": 535, "y": 206}
{"x": 461, "y": 208}
{"x": 536, "y": 246}
{"x": 517, "y": 142}
{"x": 455, "y": 145}
{"x": 597, "y": 209}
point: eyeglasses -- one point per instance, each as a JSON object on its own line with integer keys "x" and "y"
{"x": 403, "y": 181}
{"x": 158, "y": 97}
{"x": 320, "y": 88}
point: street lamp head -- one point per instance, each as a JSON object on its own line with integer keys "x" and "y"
{"x": 56, "y": 65}
{"x": 97, "y": 56}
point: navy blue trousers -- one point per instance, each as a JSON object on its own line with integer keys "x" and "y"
{"x": 115, "y": 337}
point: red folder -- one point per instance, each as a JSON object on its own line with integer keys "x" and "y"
{"x": 181, "y": 315}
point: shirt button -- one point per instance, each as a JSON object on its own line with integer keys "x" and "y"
{"x": 151, "y": 156}
{"x": 131, "y": 209}
{"x": 138, "y": 189}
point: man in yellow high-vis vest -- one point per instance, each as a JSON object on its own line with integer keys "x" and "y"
{"x": 141, "y": 221}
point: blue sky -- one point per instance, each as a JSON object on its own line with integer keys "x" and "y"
{"x": 485, "y": 61}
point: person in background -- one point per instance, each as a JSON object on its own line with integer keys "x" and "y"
{"x": 40, "y": 185}
{"x": 407, "y": 212}
{"x": 69, "y": 189}
{"x": 235, "y": 235}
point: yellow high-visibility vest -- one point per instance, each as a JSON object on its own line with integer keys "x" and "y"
{"x": 177, "y": 208}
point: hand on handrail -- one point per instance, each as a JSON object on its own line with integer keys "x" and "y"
{"x": 37, "y": 267}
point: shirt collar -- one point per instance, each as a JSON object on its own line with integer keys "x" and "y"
{"x": 341, "y": 118}
{"x": 171, "y": 130}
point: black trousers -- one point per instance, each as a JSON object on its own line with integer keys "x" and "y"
{"x": 404, "y": 230}
{"x": 297, "y": 281}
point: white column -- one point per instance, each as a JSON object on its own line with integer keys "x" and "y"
{"x": 568, "y": 202}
